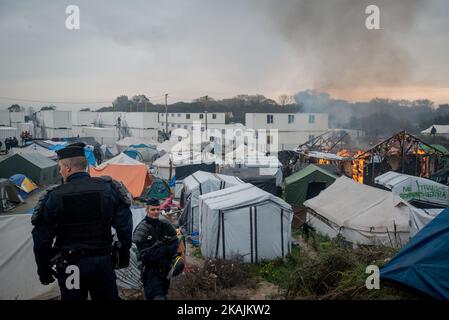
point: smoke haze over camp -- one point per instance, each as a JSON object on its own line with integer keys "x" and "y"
{"x": 222, "y": 48}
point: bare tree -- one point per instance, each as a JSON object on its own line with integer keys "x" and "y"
{"x": 285, "y": 99}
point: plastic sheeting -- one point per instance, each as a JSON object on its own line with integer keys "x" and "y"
{"x": 246, "y": 221}
{"x": 197, "y": 184}
{"x": 129, "y": 278}
{"x": 362, "y": 214}
{"x": 424, "y": 262}
{"x": 18, "y": 270}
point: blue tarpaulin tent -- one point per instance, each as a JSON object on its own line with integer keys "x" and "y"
{"x": 133, "y": 154}
{"x": 423, "y": 263}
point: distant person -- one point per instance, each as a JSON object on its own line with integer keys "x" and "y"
{"x": 433, "y": 131}
{"x": 98, "y": 155}
{"x": 15, "y": 142}
{"x": 7, "y": 145}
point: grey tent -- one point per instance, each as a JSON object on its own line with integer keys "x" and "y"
{"x": 197, "y": 184}
{"x": 9, "y": 197}
{"x": 38, "y": 168}
{"x": 244, "y": 221}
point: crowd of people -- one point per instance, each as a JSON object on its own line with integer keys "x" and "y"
{"x": 10, "y": 143}
{"x": 25, "y": 135}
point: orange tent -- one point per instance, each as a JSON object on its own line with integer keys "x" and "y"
{"x": 134, "y": 177}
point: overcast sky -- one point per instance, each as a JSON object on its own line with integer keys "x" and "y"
{"x": 192, "y": 48}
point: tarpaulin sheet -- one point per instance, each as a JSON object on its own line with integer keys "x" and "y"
{"x": 424, "y": 262}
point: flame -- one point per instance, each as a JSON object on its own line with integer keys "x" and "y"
{"x": 358, "y": 166}
{"x": 344, "y": 153}
{"x": 420, "y": 151}
{"x": 323, "y": 161}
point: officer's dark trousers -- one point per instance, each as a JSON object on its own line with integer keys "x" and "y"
{"x": 156, "y": 285}
{"x": 97, "y": 277}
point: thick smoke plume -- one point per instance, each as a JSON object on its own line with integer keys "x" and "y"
{"x": 337, "y": 49}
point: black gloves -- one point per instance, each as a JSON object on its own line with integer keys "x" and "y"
{"x": 120, "y": 258}
{"x": 46, "y": 277}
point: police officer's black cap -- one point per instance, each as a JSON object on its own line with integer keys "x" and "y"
{"x": 71, "y": 151}
{"x": 152, "y": 202}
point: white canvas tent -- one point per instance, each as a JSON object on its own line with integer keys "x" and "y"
{"x": 246, "y": 221}
{"x": 420, "y": 218}
{"x": 198, "y": 184}
{"x": 122, "y": 159}
{"x": 360, "y": 213}
{"x": 18, "y": 270}
{"x": 441, "y": 130}
{"x": 162, "y": 165}
{"x": 414, "y": 188}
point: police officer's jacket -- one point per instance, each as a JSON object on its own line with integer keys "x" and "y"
{"x": 156, "y": 243}
{"x": 79, "y": 214}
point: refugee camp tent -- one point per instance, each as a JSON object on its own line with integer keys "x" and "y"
{"x": 125, "y": 143}
{"x": 424, "y": 263}
{"x": 421, "y": 217}
{"x": 162, "y": 167}
{"x": 265, "y": 182}
{"x": 441, "y": 130}
{"x": 24, "y": 184}
{"x": 122, "y": 158}
{"x": 38, "y": 168}
{"x": 134, "y": 154}
{"x": 360, "y": 213}
{"x": 246, "y": 221}
{"x": 190, "y": 161}
{"x": 148, "y": 153}
{"x": 9, "y": 197}
{"x": 135, "y": 177}
{"x": 414, "y": 188}
{"x": 18, "y": 271}
{"x": 36, "y": 148}
{"x": 159, "y": 189}
{"x": 197, "y": 184}
{"x": 306, "y": 184}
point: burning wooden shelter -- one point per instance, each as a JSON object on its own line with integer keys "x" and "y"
{"x": 402, "y": 153}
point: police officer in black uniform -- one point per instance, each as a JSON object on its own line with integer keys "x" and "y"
{"x": 157, "y": 245}
{"x": 79, "y": 214}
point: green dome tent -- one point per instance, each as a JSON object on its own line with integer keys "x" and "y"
{"x": 306, "y": 183}
{"x": 158, "y": 190}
